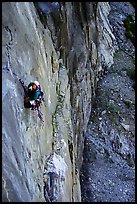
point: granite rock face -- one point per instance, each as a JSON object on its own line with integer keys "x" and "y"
{"x": 66, "y": 47}
{"x": 108, "y": 169}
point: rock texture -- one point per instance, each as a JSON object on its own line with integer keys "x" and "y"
{"x": 66, "y": 47}
{"x": 108, "y": 169}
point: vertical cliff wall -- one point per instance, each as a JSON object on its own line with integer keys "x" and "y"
{"x": 66, "y": 47}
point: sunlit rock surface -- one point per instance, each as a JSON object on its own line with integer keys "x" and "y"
{"x": 66, "y": 47}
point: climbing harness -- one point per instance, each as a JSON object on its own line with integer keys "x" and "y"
{"x": 24, "y": 87}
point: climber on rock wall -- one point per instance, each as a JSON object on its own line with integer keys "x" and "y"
{"x": 33, "y": 95}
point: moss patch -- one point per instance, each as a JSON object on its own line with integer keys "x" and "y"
{"x": 131, "y": 73}
{"x": 130, "y": 28}
{"x": 113, "y": 112}
{"x": 128, "y": 103}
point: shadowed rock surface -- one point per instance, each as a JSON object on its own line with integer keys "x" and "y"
{"x": 108, "y": 169}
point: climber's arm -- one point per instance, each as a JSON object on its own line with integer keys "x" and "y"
{"x": 30, "y": 86}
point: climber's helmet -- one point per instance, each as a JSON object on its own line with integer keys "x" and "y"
{"x": 35, "y": 85}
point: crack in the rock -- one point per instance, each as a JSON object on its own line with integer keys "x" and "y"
{"x": 8, "y": 47}
{"x": 6, "y": 189}
{"x": 8, "y": 66}
{"x": 11, "y": 36}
